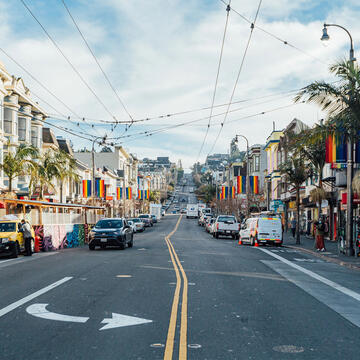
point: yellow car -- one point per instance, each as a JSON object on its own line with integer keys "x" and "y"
{"x": 11, "y": 239}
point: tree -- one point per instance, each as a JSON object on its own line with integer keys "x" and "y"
{"x": 296, "y": 174}
{"x": 66, "y": 170}
{"x": 19, "y": 162}
{"x": 43, "y": 172}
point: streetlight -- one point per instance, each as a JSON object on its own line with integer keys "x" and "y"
{"x": 349, "y": 171}
{"x": 247, "y": 172}
{"x": 93, "y": 164}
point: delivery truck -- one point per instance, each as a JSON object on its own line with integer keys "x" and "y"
{"x": 192, "y": 211}
{"x": 155, "y": 209}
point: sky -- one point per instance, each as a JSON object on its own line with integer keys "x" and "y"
{"x": 162, "y": 57}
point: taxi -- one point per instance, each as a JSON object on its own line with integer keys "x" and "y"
{"x": 11, "y": 239}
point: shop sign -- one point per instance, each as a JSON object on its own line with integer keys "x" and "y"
{"x": 356, "y": 199}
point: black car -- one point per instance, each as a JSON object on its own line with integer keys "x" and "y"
{"x": 111, "y": 232}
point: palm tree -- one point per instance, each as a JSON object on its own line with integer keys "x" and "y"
{"x": 44, "y": 171}
{"x": 66, "y": 170}
{"x": 19, "y": 162}
{"x": 296, "y": 174}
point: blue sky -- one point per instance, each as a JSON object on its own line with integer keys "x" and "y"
{"x": 162, "y": 58}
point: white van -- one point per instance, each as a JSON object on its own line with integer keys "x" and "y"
{"x": 262, "y": 230}
{"x": 191, "y": 211}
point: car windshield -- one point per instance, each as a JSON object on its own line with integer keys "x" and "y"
{"x": 144, "y": 216}
{"x": 135, "y": 220}
{"x": 7, "y": 227}
{"x": 226, "y": 218}
{"x": 109, "y": 224}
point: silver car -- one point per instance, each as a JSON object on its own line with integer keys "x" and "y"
{"x": 139, "y": 224}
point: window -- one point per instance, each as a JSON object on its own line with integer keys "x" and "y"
{"x": 34, "y": 137}
{"x": 257, "y": 163}
{"x": 7, "y": 120}
{"x": 22, "y": 129}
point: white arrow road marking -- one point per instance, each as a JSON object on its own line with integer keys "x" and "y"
{"x": 39, "y": 310}
{"x": 32, "y": 296}
{"x": 119, "y": 320}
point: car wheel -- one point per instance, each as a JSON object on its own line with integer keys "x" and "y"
{"x": 15, "y": 250}
{"x": 216, "y": 235}
{"x": 32, "y": 245}
{"x": 122, "y": 246}
{"x": 91, "y": 246}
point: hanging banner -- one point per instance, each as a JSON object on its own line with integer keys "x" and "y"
{"x": 100, "y": 188}
{"x": 232, "y": 192}
{"x": 335, "y": 148}
{"x": 118, "y": 193}
{"x": 241, "y": 184}
{"x": 86, "y": 188}
{"x": 254, "y": 184}
{"x": 129, "y": 193}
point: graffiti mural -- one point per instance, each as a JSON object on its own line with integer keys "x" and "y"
{"x": 55, "y": 237}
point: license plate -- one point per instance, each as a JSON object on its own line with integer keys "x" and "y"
{"x": 228, "y": 232}
{"x": 103, "y": 240}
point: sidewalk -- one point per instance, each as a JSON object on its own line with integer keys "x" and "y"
{"x": 331, "y": 254}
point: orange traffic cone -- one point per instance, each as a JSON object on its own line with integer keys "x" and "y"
{"x": 240, "y": 243}
{"x": 256, "y": 244}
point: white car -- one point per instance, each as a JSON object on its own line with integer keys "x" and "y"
{"x": 132, "y": 225}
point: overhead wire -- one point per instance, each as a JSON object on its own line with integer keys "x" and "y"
{"x": 68, "y": 60}
{"x": 97, "y": 62}
{"x": 216, "y": 78}
{"x": 252, "y": 26}
{"x": 285, "y": 42}
{"x": 42, "y": 86}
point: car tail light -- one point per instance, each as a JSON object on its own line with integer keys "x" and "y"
{"x": 217, "y": 226}
{"x": 239, "y": 227}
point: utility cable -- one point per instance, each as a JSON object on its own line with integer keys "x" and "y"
{"x": 68, "y": 61}
{"x": 238, "y": 75}
{"x": 97, "y": 61}
{"x": 216, "y": 79}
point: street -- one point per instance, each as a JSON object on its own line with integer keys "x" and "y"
{"x": 242, "y": 302}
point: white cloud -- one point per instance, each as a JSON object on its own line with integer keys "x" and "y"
{"x": 163, "y": 56}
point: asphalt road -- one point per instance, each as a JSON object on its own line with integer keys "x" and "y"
{"x": 206, "y": 298}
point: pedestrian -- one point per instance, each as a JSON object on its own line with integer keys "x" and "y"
{"x": 26, "y": 231}
{"x": 320, "y": 231}
{"x": 293, "y": 226}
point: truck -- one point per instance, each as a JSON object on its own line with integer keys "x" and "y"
{"x": 226, "y": 225}
{"x": 192, "y": 211}
{"x": 155, "y": 209}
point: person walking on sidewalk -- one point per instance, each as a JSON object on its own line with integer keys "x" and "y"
{"x": 293, "y": 227}
{"x": 320, "y": 231}
{"x": 26, "y": 231}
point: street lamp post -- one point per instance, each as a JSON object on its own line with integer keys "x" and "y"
{"x": 247, "y": 173}
{"x": 93, "y": 165}
{"x": 349, "y": 170}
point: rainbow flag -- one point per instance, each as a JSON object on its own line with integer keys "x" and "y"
{"x": 335, "y": 148}
{"x": 140, "y": 194}
{"x": 86, "y": 188}
{"x": 147, "y": 194}
{"x": 118, "y": 193}
{"x": 241, "y": 184}
{"x": 100, "y": 188}
{"x": 232, "y": 192}
{"x": 129, "y": 193}
{"x": 254, "y": 184}
{"x": 224, "y": 193}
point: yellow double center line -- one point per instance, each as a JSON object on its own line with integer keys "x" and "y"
{"x": 169, "y": 348}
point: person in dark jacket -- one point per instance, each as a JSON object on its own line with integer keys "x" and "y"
{"x": 320, "y": 231}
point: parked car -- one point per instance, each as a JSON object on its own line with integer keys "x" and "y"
{"x": 111, "y": 232}
{"x": 11, "y": 239}
{"x": 147, "y": 219}
{"x": 154, "y": 219}
{"x": 163, "y": 211}
{"x": 209, "y": 225}
{"x": 183, "y": 211}
{"x": 226, "y": 225}
{"x": 139, "y": 224}
{"x": 262, "y": 230}
{"x": 132, "y": 225}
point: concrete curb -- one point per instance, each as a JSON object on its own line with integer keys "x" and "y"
{"x": 327, "y": 258}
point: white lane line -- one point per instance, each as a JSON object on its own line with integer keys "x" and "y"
{"x": 32, "y": 296}
{"x": 328, "y": 282}
{"x": 8, "y": 262}
{"x": 39, "y": 310}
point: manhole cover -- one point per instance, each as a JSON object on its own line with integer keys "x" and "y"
{"x": 289, "y": 349}
{"x": 194, "y": 346}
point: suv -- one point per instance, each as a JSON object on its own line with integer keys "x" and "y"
{"x": 111, "y": 232}
{"x": 11, "y": 239}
